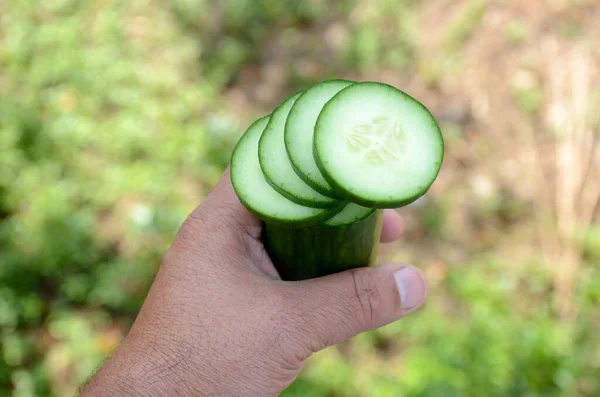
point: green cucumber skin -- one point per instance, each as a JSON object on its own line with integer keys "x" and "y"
{"x": 350, "y": 196}
{"x": 306, "y": 222}
{"x": 316, "y": 220}
{"x": 333, "y": 194}
{"x": 305, "y": 253}
{"x": 306, "y": 203}
{"x": 326, "y": 192}
{"x": 330, "y": 202}
{"x": 349, "y": 221}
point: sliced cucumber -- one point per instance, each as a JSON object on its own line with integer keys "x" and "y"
{"x": 277, "y": 167}
{"x": 350, "y": 214}
{"x": 299, "y": 132}
{"x": 256, "y": 193}
{"x": 377, "y": 145}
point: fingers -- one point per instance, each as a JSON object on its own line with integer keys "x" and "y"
{"x": 393, "y": 226}
{"x": 331, "y": 309}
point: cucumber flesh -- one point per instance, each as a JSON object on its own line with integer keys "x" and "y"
{"x": 299, "y": 133}
{"x": 257, "y": 195}
{"x": 350, "y": 214}
{"x": 378, "y": 146}
{"x": 278, "y": 169}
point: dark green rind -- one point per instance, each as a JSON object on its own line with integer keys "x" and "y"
{"x": 330, "y": 203}
{"x": 321, "y": 189}
{"x": 307, "y": 203}
{"x": 305, "y": 253}
{"x": 348, "y": 221}
{"x": 294, "y": 224}
{"x": 333, "y": 194}
{"x": 289, "y": 223}
{"x": 350, "y": 195}
{"x": 376, "y": 203}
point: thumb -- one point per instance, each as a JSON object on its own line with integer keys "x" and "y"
{"x": 337, "y": 307}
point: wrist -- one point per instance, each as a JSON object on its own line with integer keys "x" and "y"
{"x": 140, "y": 369}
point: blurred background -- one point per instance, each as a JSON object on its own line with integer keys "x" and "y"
{"x": 117, "y": 117}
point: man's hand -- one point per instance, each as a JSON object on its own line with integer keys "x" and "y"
{"x": 218, "y": 320}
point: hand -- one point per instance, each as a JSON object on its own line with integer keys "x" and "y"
{"x": 218, "y": 320}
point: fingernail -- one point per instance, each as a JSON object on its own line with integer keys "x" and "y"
{"x": 411, "y": 285}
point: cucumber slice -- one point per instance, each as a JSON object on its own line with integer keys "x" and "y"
{"x": 350, "y": 214}
{"x": 256, "y": 193}
{"x": 299, "y": 133}
{"x": 377, "y": 145}
{"x": 277, "y": 167}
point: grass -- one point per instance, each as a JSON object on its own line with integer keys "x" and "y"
{"x": 116, "y": 119}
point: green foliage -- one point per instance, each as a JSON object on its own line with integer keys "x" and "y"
{"x": 464, "y": 23}
{"x": 484, "y": 333}
{"x": 515, "y": 32}
{"x": 116, "y": 118}
{"x": 105, "y": 149}
{"x": 527, "y": 92}
{"x": 528, "y": 99}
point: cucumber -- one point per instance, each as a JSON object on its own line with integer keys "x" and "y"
{"x": 320, "y": 165}
{"x": 276, "y": 165}
{"x": 310, "y": 252}
{"x": 378, "y": 146}
{"x": 350, "y": 214}
{"x": 257, "y": 195}
{"x": 299, "y": 133}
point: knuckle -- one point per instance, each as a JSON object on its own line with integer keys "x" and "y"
{"x": 367, "y": 295}
{"x": 303, "y": 326}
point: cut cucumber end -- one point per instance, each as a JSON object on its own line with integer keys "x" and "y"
{"x": 299, "y": 133}
{"x": 377, "y": 146}
{"x": 257, "y": 195}
{"x": 277, "y": 167}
